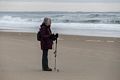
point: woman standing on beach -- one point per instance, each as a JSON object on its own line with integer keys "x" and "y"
{"x": 46, "y": 40}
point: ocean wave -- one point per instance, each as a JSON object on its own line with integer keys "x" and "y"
{"x": 115, "y": 21}
{"x": 106, "y": 18}
{"x": 74, "y": 23}
{"x": 15, "y": 19}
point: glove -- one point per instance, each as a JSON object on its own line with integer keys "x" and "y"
{"x": 56, "y": 35}
{"x": 52, "y": 36}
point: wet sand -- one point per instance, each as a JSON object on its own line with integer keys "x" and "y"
{"x": 78, "y": 58}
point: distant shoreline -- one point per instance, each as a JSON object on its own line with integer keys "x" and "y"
{"x": 62, "y": 11}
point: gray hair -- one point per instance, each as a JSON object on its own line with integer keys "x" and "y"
{"x": 46, "y": 19}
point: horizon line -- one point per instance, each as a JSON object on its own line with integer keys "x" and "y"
{"x": 66, "y": 11}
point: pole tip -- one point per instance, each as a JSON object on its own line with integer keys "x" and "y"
{"x": 57, "y": 70}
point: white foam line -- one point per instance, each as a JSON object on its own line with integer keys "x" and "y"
{"x": 110, "y": 41}
{"x": 89, "y": 40}
{"x": 93, "y": 41}
{"x": 60, "y": 39}
{"x": 98, "y": 41}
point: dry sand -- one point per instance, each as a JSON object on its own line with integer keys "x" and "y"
{"x": 79, "y": 58}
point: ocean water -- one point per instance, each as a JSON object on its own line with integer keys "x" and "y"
{"x": 105, "y": 24}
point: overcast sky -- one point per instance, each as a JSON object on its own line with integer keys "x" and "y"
{"x": 60, "y": 5}
{"x": 67, "y": 0}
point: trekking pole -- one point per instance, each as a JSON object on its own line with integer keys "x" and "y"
{"x": 55, "y": 52}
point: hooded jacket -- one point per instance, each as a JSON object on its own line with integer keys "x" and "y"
{"x": 46, "y": 42}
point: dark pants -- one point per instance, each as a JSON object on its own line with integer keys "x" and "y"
{"x": 45, "y": 59}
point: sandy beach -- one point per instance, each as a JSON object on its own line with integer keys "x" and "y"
{"x": 78, "y": 58}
